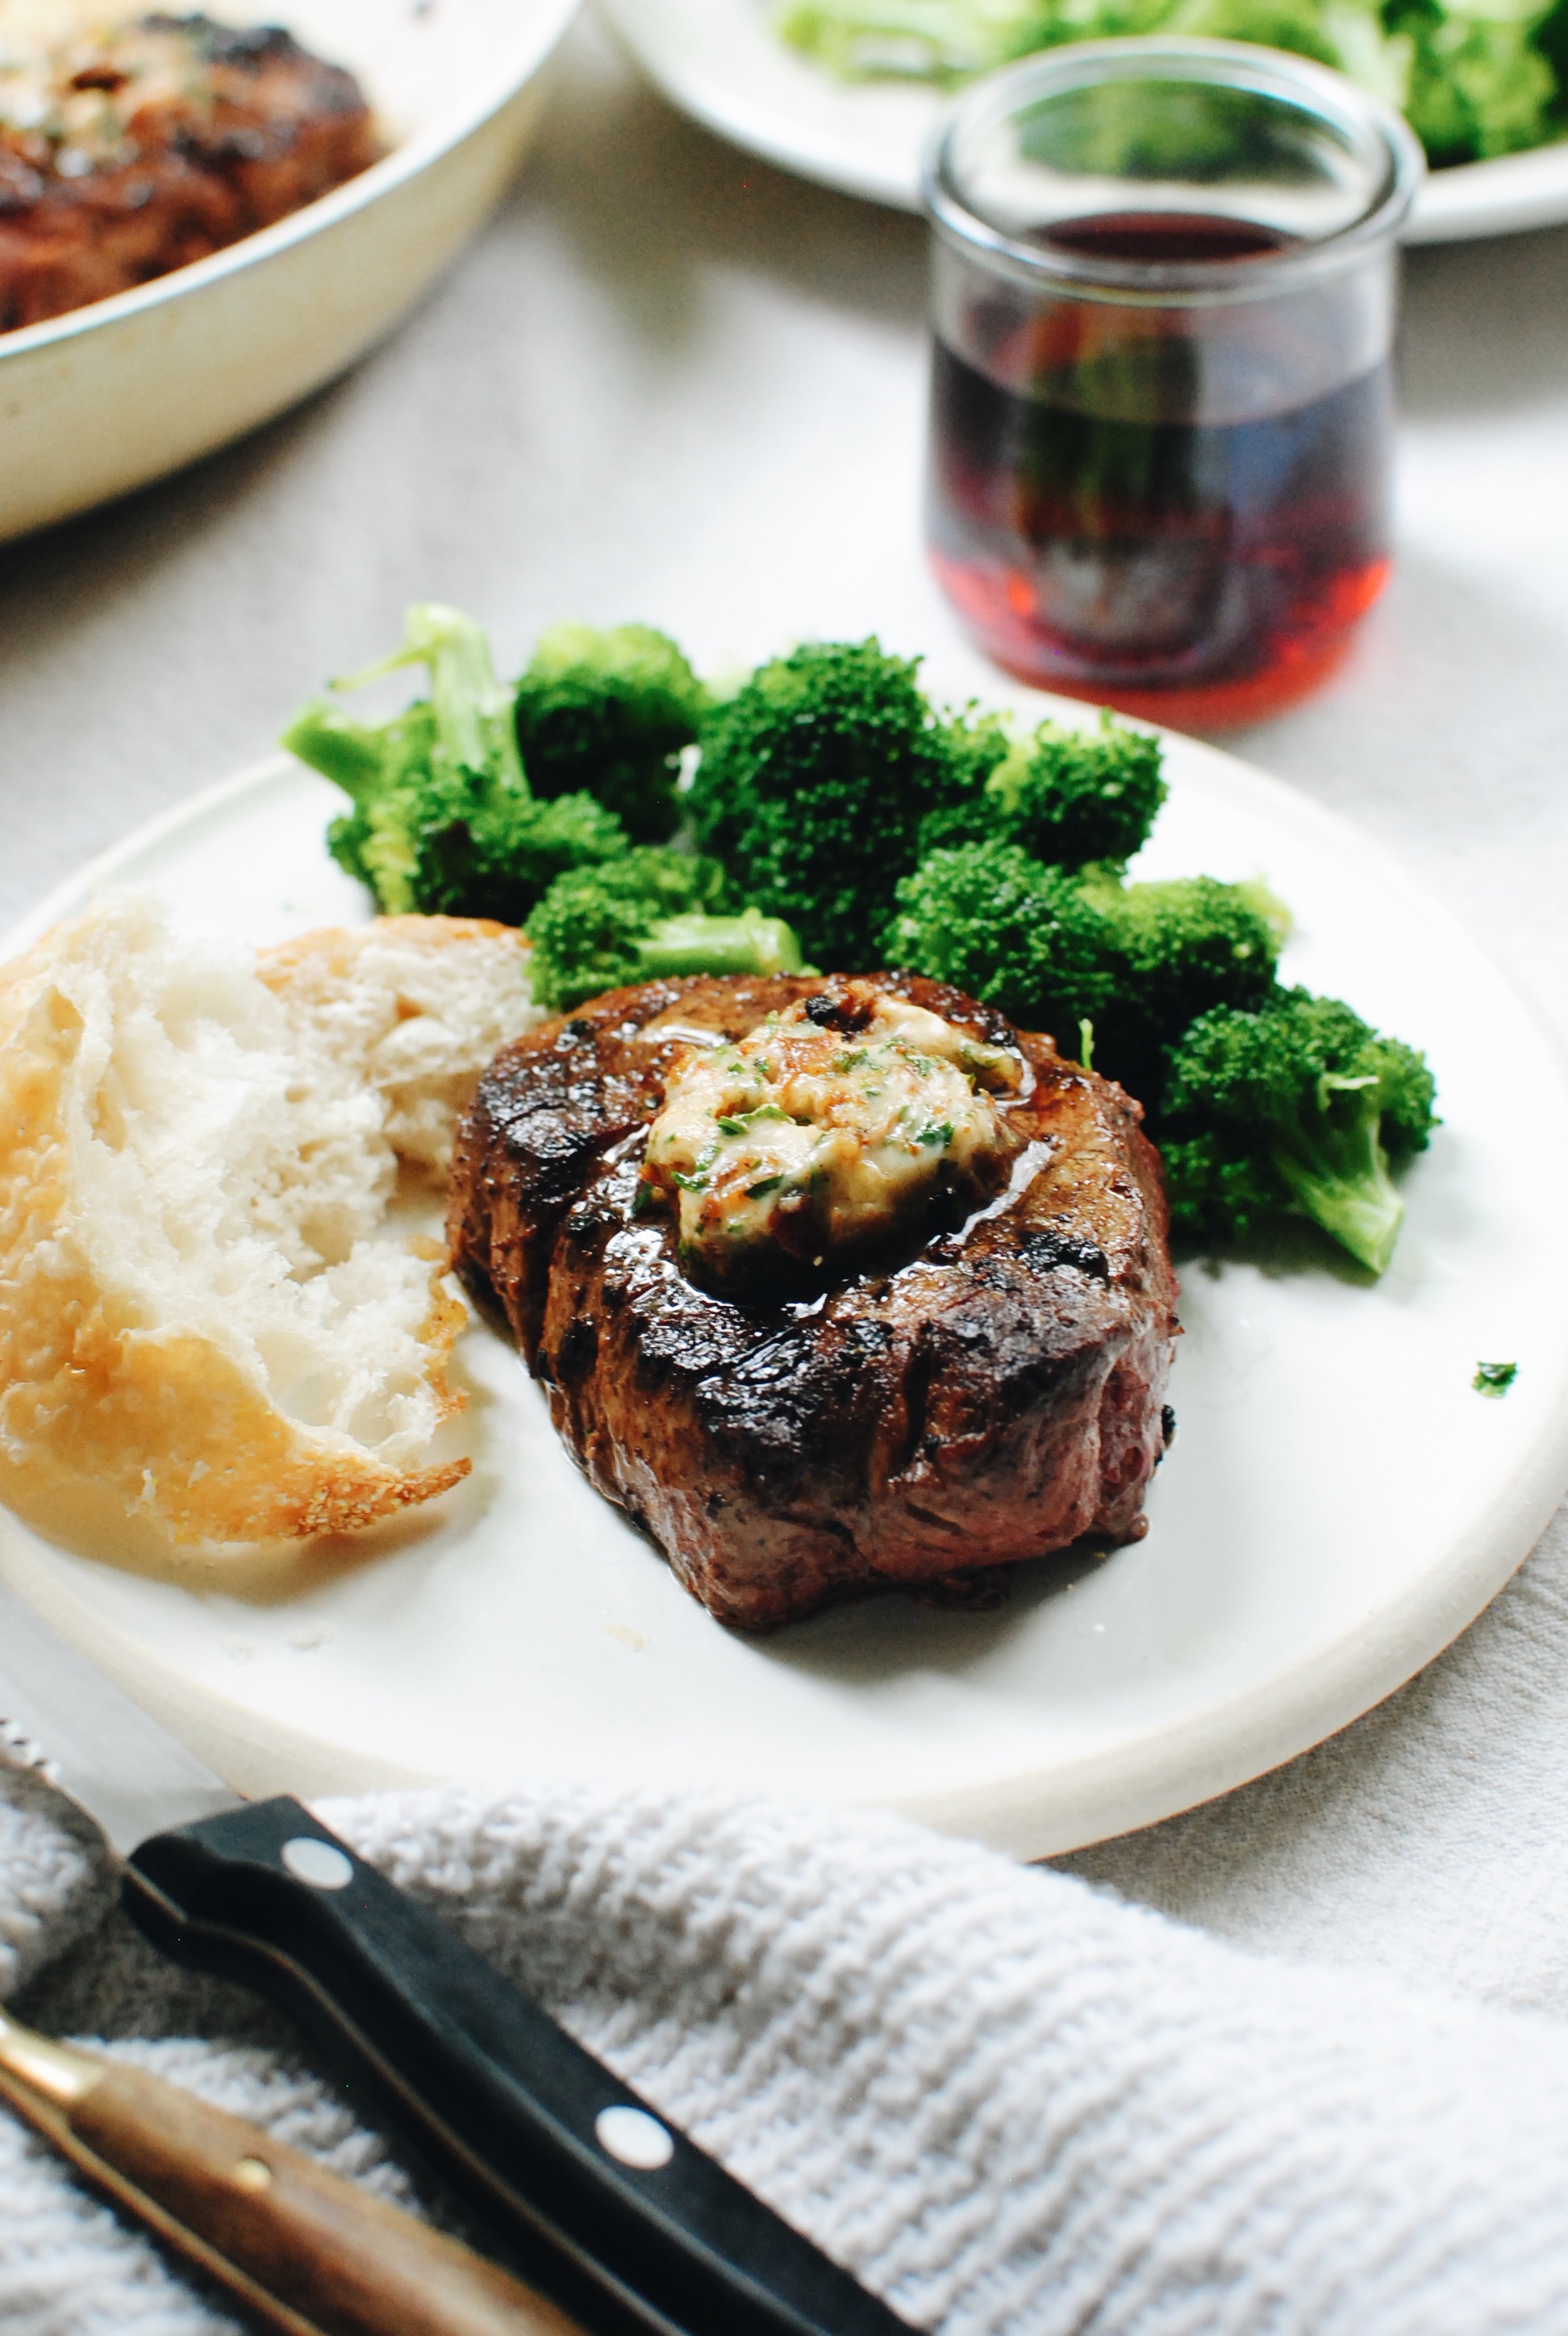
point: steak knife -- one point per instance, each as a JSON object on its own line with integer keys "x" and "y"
{"x": 307, "y": 2250}
{"x": 479, "y": 2078}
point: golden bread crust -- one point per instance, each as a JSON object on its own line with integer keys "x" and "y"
{"x": 99, "y": 1381}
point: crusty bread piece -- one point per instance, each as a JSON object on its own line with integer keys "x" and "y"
{"x": 416, "y": 1006}
{"x": 200, "y": 1304}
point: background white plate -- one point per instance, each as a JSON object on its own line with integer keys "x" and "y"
{"x": 720, "y": 62}
{"x": 113, "y": 394}
{"x": 1338, "y": 1503}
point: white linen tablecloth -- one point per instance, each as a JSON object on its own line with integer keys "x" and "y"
{"x": 671, "y": 384}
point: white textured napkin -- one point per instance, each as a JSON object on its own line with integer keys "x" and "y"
{"x": 1005, "y": 2099}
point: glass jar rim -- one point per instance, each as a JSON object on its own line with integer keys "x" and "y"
{"x": 1241, "y": 64}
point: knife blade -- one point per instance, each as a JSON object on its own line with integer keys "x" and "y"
{"x": 478, "y": 2076}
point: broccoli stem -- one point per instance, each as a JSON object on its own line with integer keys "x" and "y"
{"x": 340, "y": 748}
{"x": 1337, "y": 1171}
{"x": 476, "y": 729}
{"x": 749, "y": 943}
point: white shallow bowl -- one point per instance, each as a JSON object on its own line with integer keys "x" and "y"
{"x": 721, "y": 62}
{"x": 101, "y": 401}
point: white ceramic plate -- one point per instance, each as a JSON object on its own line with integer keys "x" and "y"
{"x": 720, "y": 62}
{"x": 1337, "y": 1504}
{"x": 102, "y": 400}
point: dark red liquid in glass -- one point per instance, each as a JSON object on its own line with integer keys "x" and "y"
{"x": 1168, "y": 236}
{"x": 1200, "y": 572}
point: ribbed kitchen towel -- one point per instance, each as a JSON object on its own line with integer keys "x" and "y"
{"x": 1008, "y": 2100}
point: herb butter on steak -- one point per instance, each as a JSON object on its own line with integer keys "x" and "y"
{"x": 983, "y": 1383}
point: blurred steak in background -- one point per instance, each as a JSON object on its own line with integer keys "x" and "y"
{"x": 128, "y": 148}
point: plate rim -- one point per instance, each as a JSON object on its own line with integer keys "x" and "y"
{"x": 1507, "y": 195}
{"x": 1238, "y": 1735}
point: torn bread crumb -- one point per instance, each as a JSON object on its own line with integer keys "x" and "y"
{"x": 201, "y": 1303}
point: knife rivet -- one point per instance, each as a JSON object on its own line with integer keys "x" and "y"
{"x": 635, "y": 2137}
{"x": 317, "y": 1862}
{"x": 252, "y": 2174}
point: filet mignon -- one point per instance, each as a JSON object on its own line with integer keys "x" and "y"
{"x": 993, "y": 1394}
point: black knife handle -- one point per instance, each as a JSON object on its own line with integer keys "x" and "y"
{"x": 484, "y": 2079}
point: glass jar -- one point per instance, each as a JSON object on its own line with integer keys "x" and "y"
{"x": 1165, "y": 283}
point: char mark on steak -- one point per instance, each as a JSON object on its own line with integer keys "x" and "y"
{"x": 994, "y": 1393}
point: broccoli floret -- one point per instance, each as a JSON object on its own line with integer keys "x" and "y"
{"x": 609, "y": 712}
{"x": 1348, "y": 35}
{"x": 812, "y": 783}
{"x": 1015, "y": 935}
{"x": 1072, "y": 797}
{"x": 1067, "y": 797}
{"x": 1171, "y": 951}
{"x": 1476, "y": 77}
{"x": 652, "y": 914}
{"x": 971, "y": 744}
{"x": 938, "y": 40}
{"x": 1138, "y": 960}
{"x": 1298, "y": 1108}
{"x": 828, "y": 778}
{"x": 1550, "y": 41}
{"x": 1479, "y": 85}
{"x": 443, "y": 819}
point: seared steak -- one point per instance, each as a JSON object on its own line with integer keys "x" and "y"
{"x": 129, "y": 152}
{"x": 992, "y": 1396}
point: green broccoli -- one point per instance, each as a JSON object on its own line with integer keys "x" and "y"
{"x": 654, "y": 913}
{"x": 1014, "y": 934}
{"x": 443, "y": 819}
{"x": 1138, "y": 960}
{"x": 812, "y": 783}
{"x": 1348, "y": 35}
{"x": 1067, "y": 797}
{"x": 1479, "y": 84}
{"x": 1169, "y": 952}
{"x": 939, "y": 40}
{"x": 1551, "y": 40}
{"x": 1474, "y": 77}
{"x": 1298, "y": 1108}
{"x": 828, "y": 778}
{"x": 609, "y": 712}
